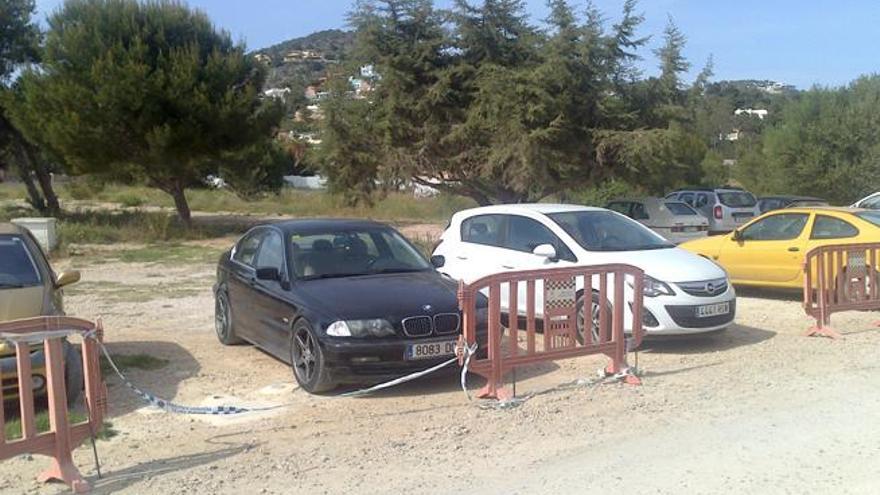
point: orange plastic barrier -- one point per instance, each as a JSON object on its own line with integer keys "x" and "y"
{"x": 556, "y": 291}
{"x": 844, "y": 277}
{"x": 62, "y": 436}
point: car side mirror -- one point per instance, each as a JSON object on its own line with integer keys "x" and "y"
{"x": 545, "y": 251}
{"x": 67, "y": 278}
{"x": 438, "y": 260}
{"x": 268, "y": 273}
{"x": 737, "y": 235}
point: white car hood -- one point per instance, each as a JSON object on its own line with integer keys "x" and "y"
{"x": 665, "y": 265}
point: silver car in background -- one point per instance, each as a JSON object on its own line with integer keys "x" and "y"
{"x": 871, "y": 202}
{"x": 726, "y": 208}
{"x": 674, "y": 220}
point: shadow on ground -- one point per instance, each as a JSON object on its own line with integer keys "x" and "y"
{"x": 731, "y": 338}
{"x": 162, "y": 382}
{"x": 114, "y": 481}
{"x": 766, "y": 293}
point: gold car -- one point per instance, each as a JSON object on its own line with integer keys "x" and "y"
{"x": 770, "y": 250}
{"x": 29, "y": 287}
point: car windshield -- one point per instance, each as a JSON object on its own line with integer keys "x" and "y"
{"x": 737, "y": 199}
{"x": 679, "y": 208}
{"x": 353, "y": 252}
{"x": 608, "y": 231}
{"x": 870, "y": 216}
{"x": 17, "y": 268}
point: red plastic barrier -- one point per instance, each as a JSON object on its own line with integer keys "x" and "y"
{"x": 62, "y": 436}
{"x": 843, "y": 277}
{"x": 560, "y": 290}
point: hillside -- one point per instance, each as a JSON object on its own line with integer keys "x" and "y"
{"x": 328, "y": 46}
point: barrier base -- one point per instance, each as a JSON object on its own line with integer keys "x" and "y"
{"x": 499, "y": 393}
{"x": 817, "y": 331}
{"x": 67, "y": 474}
{"x": 625, "y": 375}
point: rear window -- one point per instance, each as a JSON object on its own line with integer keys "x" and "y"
{"x": 680, "y": 209}
{"x": 17, "y": 268}
{"x": 737, "y": 199}
{"x": 870, "y": 216}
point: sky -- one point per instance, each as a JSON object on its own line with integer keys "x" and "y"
{"x": 799, "y": 42}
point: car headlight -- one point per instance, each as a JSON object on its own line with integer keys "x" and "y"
{"x": 653, "y": 288}
{"x": 361, "y": 328}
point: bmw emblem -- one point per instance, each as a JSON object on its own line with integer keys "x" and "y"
{"x": 427, "y": 308}
{"x": 710, "y": 288}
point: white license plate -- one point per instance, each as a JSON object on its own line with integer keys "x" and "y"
{"x": 691, "y": 229}
{"x": 429, "y": 350}
{"x": 713, "y": 310}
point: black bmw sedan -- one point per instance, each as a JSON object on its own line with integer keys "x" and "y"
{"x": 341, "y": 301}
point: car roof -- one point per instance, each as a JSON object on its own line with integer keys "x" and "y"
{"x": 647, "y": 199}
{"x": 708, "y": 189}
{"x": 542, "y": 208}
{"x": 831, "y": 209}
{"x": 307, "y": 225}
{"x": 791, "y": 197}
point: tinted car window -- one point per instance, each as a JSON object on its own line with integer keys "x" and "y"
{"x": 246, "y": 249}
{"x": 271, "y": 253}
{"x": 525, "y": 234}
{"x": 620, "y": 207}
{"x": 870, "y": 216}
{"x": 350, "y": 252}
{"x": 608, "y": 231}
{"x": 679, "y": 209}
{"x": 17, "y": 268}
{"x": 701, "y": 200}
{"x": 826, "y": 227}
{"x": 483, "y": 229}
{"x": 639, "y": 212}
{"x": 776, "y": 227}
{"x": 687, "y": 198}
{"x": 766, "y": 205}
{"x": 737, "y": 199}
{"x": 873, "y": 203}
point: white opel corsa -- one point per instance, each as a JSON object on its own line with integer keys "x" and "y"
{"x": 684, "y": 293}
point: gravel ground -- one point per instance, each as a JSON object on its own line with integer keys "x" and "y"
{"x": 755, "y": 408}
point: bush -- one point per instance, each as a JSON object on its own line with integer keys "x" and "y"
{"x": 130, "y": 200}
{"x": 85, "y": 187}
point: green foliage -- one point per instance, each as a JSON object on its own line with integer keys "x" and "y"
{"x": 825, "y": 144}
{"x": 255, "y": 170}
{"x": 488, "y": 105}
{"x": 19, "y": 35}
{"x": 148, "y": 89}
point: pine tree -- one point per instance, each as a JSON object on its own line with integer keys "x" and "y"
{"x": 150, "y": 88}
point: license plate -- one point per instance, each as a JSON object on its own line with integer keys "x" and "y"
{"x": 742, "y": 217}
{"x": 713, "y": 310}
{"x": 430, "y": 350}
{"x": 691, "y": 229}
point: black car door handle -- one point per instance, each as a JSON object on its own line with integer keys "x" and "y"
{"x": 794, "y": 249}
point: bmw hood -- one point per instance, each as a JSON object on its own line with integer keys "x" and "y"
{"x": 671, "y": 265}
{"x": 390, "y": 296}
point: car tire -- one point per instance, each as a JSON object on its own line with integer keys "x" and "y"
{"x": 74, "y": 379}
{"x": 223, "y": 326}
{"x": 594, "y": 311}
{"x": 307, "y": 359}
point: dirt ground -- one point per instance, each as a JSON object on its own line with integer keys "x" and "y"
{"x": 757, "y": 408}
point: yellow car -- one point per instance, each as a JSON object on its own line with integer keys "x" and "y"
{"x": 770, "y": 250}
{"x": 29, "y": 287}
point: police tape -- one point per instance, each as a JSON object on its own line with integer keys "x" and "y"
{"x": 219, "y": 410}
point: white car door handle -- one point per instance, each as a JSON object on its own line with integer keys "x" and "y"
{"x": 461, "y": 257}
{"x": 508, "y": 267}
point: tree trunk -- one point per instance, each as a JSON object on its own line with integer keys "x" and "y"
{"x": 34, "y": 197}
{"x": 177, "y": 192}
{"x": 45, "y": 180}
